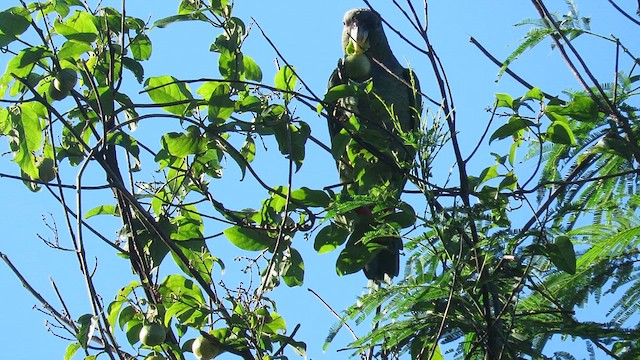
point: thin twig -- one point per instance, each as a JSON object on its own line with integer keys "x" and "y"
{"x": 355, "y": 337}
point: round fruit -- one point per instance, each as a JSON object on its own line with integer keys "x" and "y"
{"x": 152, "y": 334}
{"x": 65, "y": 80}
{"x": 46, "y": 169}
{"x": 205, "y": 349}
{"x": 56, "y": 94}
{"x": 357, "y": 66}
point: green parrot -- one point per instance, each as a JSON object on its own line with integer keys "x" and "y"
{"x": 371, "y": 126}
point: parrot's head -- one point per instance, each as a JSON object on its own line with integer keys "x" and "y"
{"x": 362, "y": 31}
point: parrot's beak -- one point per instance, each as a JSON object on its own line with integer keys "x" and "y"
{"x": 360, "y": 37}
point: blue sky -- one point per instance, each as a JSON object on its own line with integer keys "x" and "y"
{"x": 308, "y": 34}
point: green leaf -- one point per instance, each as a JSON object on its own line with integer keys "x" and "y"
{"x": 249, "y": 238}
{"x": 276, "y": 325}
{"x": 339, "y": 144}
{"x": 292, "y": 268}
{"x": 198, "y": 256}
{"x": 81, "y": 26}
{"x": 581, "y": 108}
{"x": 141, "y": 47}
{"x": 486, "y": 175}
{"x": 251, "y": 69}
{"x": 221, "y": 106}
{"x": 135, "y": 67}
{"x": 511, "y": 128}
{"x": 402, "y": 219}
{"x": 330, "y": 238}
{"x": 286, "y": 80}
{"x": 133, "y": 331}
{"x": 248, "y": 149}
{"x": 352, "y": 259}
{"x": 189, "y": 224}
{"x": 509, "y": 181}
{"x": 176, "y": 286}
{"x": 311, "y": 198}
{"x": 164, "y": 22}
{"x": 533, "y": 93}
{"x": 504, "y": 101}
{"x": 28, "y": 134}
{"x": 182, "y": 145}
{"x": 13, "y": 22}
{"x": 72, "y": 49}
{"x": 168, "y": 90}
{"x": 127, "y": 142}
{"x": 20, "y": 66}
{"x": 562, "y": 254}
{"x": 101, "y": 210}
{"x": 337, "y": 92}
{"x": 121, "y": 298}
{"x": 71, "y": 350}
{"x": 560, "y": 133}
{"x": 291, "y": 141}
{"x": 231, "y": 65}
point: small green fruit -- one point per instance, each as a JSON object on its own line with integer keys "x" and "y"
{"x": 357, "y": 67}
{"x": 204, "y": 349}
{"x": 152, "y": 334}
{"x": 65, "y": 80}
{"x": 46, "y": 169}
{"x": 56, "y": 94}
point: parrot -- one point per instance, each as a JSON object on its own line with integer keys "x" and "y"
{"x": 371, "y": 125}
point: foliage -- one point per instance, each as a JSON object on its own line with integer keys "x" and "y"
{"x": 478, "y": 278}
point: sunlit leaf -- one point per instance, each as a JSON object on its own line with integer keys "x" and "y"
{"x": 559, "y": 132}
{"x": 81, "y": 26}
{"x": 101, "y": 210}
{"x": 141, "y": 47}
{"x": 168, "y": 91}
{"x": 286, "y": 80}
{"x": 249, "y": 238}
